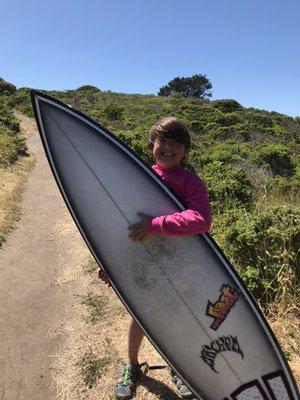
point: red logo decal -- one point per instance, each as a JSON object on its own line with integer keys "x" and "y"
{"x": 220, "y": 309}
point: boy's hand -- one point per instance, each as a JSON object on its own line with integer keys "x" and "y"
{"x": 140, "y": 231}
{"x": 103, "y": 276}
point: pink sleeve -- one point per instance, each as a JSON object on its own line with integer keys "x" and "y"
{"x": 195, "y": 219}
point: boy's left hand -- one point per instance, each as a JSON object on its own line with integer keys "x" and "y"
{"x": 140, "y": 231}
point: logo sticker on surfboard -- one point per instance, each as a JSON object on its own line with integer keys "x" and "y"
{"x": 275, "y": 383}
{"x": 221, "y": 308}
{"x": 223, "y": 343}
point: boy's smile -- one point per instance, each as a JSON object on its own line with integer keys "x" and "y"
{"x": 168, "y": 153}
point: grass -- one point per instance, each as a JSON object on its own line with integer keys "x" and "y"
{"x": 12, "y": 181}
{"x": 96, "y": 305}
{"x": 88, "y": 364}
{"x": 92, "y": 368}
{"x": 90, "y": 267}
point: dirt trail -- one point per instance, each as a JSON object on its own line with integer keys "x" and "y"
{"x": 31, "y": 302}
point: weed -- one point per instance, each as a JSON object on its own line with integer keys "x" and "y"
{"x": 92, "y": 368}
{"x": 96, "y": 305}
{"x": 90, "y": 267}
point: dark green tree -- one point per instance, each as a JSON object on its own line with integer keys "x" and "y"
{"x": 88, "y": 88}
{"x": 197, "y": 86}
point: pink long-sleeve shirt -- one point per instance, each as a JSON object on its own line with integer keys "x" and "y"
{"x": 196, "y": 218}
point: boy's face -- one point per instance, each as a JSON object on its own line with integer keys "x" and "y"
{"x": 168, "y": 153}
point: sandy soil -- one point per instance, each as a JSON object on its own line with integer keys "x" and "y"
{"x": 31, "y": 302}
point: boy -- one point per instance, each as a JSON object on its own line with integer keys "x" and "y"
{"x": 169, "y": 142}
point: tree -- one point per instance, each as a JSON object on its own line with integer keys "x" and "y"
{"x": 197, "y": 86}
{"x": 89, "y": 88}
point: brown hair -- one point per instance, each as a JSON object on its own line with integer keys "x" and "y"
{"x": 171, "y": 128}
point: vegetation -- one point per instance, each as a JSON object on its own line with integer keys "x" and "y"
{"x": 197, "y": 86}
{"x": 6, "y": 88}
{"x": 96, "y": 306}
{"x": 249, "y": 159}
{"x": 12, "y": 172}
{"x": 92, "y": 368}
{"x": 11, "y": 143}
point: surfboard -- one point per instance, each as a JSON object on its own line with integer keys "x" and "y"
{"x": 183, "y": 292}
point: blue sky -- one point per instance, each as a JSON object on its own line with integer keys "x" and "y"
{"x": 249, "y": 49}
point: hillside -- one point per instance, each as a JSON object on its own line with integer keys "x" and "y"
{"x": 249, "y": 159}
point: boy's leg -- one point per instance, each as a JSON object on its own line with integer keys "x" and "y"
{"x": 130, "y": 374}
{"x": 135, "y": 337}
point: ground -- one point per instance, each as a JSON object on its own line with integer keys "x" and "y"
{"x": 31, "y": 302}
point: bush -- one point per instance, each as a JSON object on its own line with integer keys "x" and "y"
{"x": 227, "y": 153}
{"x": 227, "y": 105}
{"x": 283, "y": 190}
{"x": 228, "y": 186}
{"x": 259, "y": 118}
{"x": 264, "y": 247}
{"x": 138, "y": 142}
{"x": 8, "y": 120}
{"x": 21, "y": 101}
{"x": 228, "y": 119}
{"x": 11, "y": 147}
{"x": 6, "y": 88}
{"x": 113, "y": 112}
{"x": 277, "y": 157}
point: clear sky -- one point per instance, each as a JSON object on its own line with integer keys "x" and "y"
{"x": 249, "y": 49}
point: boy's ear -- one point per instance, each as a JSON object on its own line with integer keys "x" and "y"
{"x": 150, "y": 145}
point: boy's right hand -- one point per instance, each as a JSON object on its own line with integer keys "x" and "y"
{"x": 103, "y": 276}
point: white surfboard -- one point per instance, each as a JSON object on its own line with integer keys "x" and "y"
{"x": 182, "y": 291}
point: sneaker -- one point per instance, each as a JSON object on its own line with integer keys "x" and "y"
{"x": 184, "y": 391}
{"x": 126, "y": 383}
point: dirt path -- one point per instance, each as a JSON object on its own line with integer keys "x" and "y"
{"x": 31, "y": 302}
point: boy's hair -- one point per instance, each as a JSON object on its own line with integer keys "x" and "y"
{"x": 171, "y": 128}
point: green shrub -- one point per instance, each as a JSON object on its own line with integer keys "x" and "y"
{"x": 276, "y": 131}
{"x": 264, "y": 247}
{"x": 6, "y": 88}
{"x": 113, "y": 111}
{"x": 21, "y": 101}
{"x": 138, "y": 142}
{"x": 196, "y": 126}
{"x": 283, "y": 190}
{"x": 227, "y": 153}
{"x": 228, "y": 119}
{"x": 11, "y": 147}
{"x": 277, "y": 157}
{"x": 221, "y": 133}
{"x": 259, "y": 118}
{"x": 8, "y": 120}
{"x": 227, "y": 105}
{"x": 228, "y": 186}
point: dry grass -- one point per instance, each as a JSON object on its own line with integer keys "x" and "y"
{"x": 285, "y": 322}
{"x": 12, "y": 184}
{"x": 88, "y": 363}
